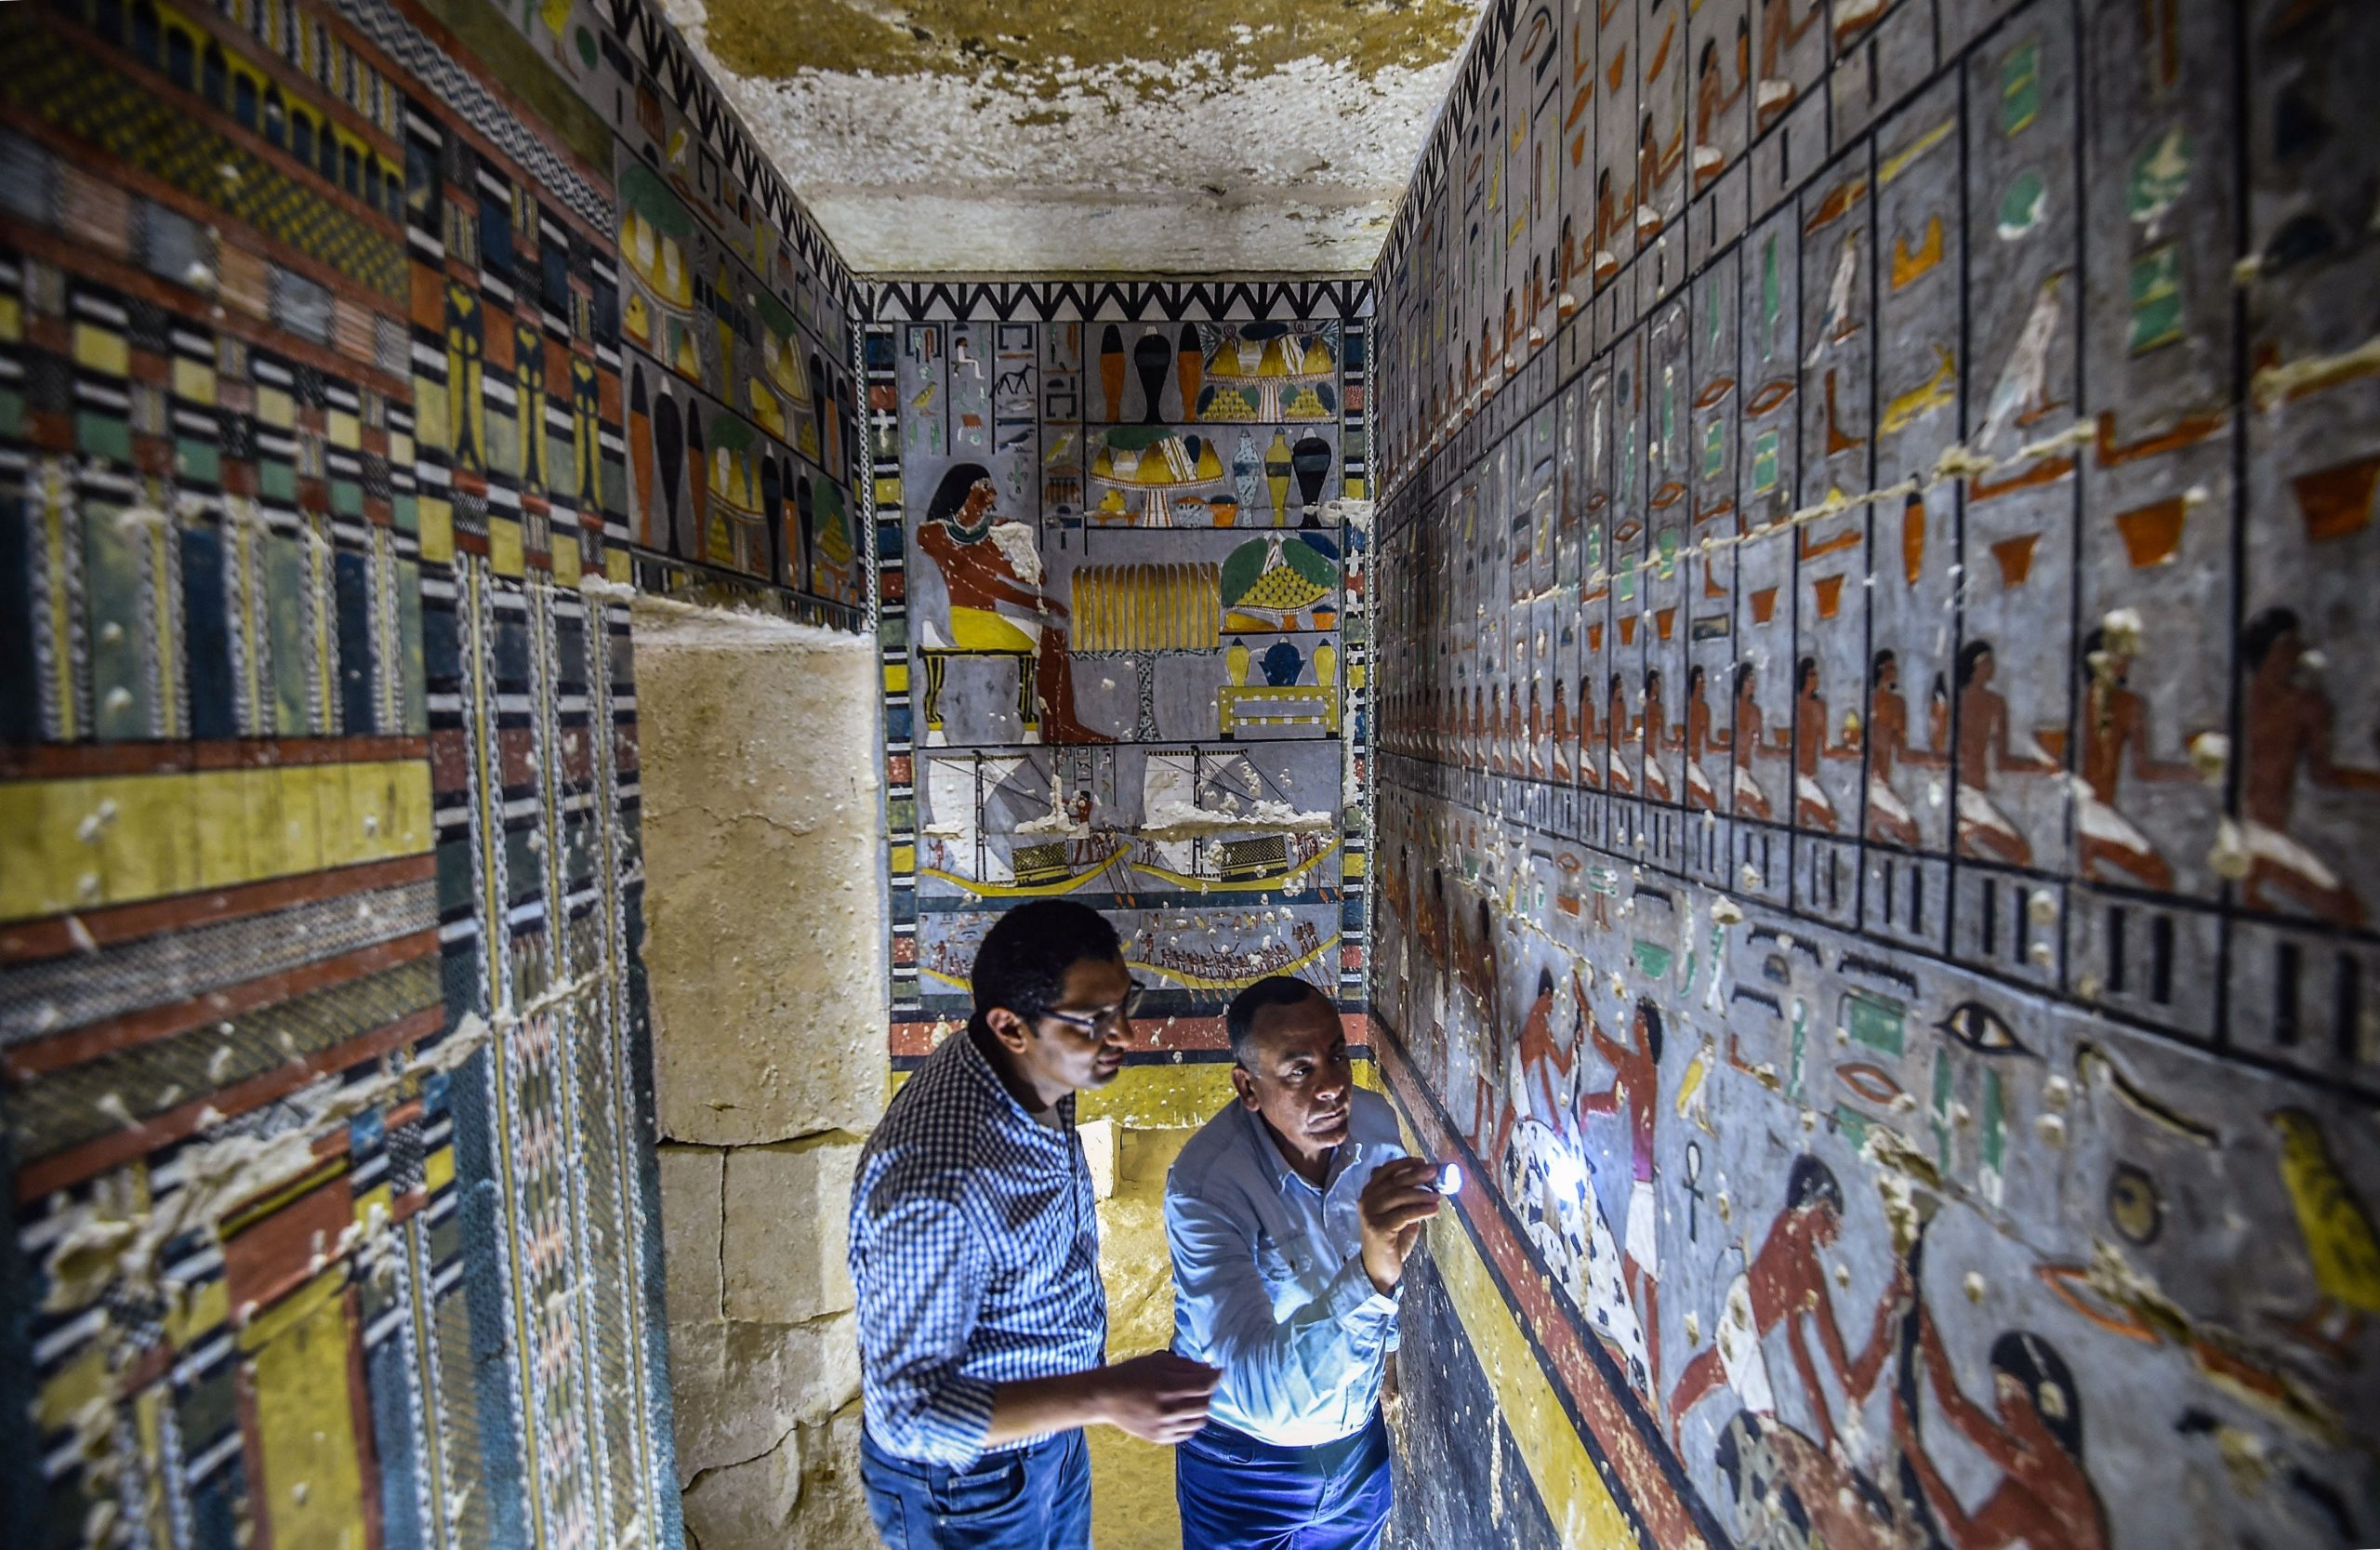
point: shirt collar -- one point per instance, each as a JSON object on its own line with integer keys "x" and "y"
{"x": 980, "y": 1070}
{"x": 1276, "y": 1167}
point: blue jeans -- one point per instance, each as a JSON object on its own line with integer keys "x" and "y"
{"x": 1239, "y": 1493}
{"x": 1031, "y": 1498}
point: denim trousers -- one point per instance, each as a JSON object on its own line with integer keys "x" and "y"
{"x": 1032, "y": 1497}
{"x": 1239, "y": 1493}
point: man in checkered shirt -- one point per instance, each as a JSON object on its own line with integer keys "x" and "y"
{"x": 974, "y": 1249}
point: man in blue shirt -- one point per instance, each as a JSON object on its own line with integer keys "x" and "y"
{"x": 974, "y": 1251}
{"x": 1290, "y": 1215}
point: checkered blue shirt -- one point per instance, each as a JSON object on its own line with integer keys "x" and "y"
{"x": 974, "y": 1251}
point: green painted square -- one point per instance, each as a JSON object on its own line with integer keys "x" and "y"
{"x": 114, "y": 569}
{"x": 276, "y": 481}
{"x": 415, "y": 709}
{"x": 2020, "y": 88}
{"x": 104, "y": 436}
{"x": 1876, "y": 1021}
{"x": 1715, "y": 449}
{"x": 1764, "y": 462}
{"x": 503, "y": 442}
{"x": 1652, "y": 959}
{"x": 290, "y": 603}
{"x": 346, "y": 498}
{"x": 198, "y": 460}
{"x": 2156, "y": 289}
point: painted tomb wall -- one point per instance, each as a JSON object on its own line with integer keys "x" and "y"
{"x": 1121, "y": 539}
{"x": 356, "y": 359}
{"x": 1873, "y": 656}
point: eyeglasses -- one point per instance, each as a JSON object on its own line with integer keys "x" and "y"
{"x": 1117, "y": 1015}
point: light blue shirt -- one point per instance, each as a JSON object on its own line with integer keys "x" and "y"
{"x": 1268, "y": 1276}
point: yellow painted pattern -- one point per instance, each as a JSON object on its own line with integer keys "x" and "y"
{"x": 1237, "y": 981}
{"x": 72, "y": 1387}
{"x": 61, "y": 651}
{"x": 565, "y": 559}
{"x": 249, "y": 1215}
{"x": 168, "y": 653}
{"x": 151, "y": 836}
{"x": 306, "y": 1417}
{"x": 99, "y": 349}
{"x": 1024, "y": 891}
{"x": 194, "y": 380}
{"x": 437, "y": 530}
{"x": 1576, "y": 1500}
{"x": 1216, "y": 885}
{"x": 505, "y": 553}
{"x": 896, "y": 677}
{"x": 243, "y": 560}
{"x": 204, "y": 1310}
{"x": 318, "y": 560}
{"x": 616, "y": 566}
{"x": 149, "y": 1430}
{"x": 377, "y": 1199}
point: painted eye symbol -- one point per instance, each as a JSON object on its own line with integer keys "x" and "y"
{"x": 1870, "y": 1082}
{"x": 1981, "y": 1029}
{"x": 1626, "y": 533}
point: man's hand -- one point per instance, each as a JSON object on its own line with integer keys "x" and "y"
{"x": 1396, "y": 1200}
{"x": 1160, "y": 1397}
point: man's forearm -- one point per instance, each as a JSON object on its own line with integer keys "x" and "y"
{"x": 1030, "y": 1407}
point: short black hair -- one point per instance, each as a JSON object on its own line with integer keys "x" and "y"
{"x": 1022, "y": 962}
{"x": 1239, "y": 1019}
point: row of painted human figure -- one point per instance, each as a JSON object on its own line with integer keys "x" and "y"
{"x": 1510, "y": 730}
{"x": 1626, "y": 218}
{"x": 1786, "y": 1479}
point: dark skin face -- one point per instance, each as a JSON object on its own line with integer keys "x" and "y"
{"x": 1044, "y": 1058}
{"x": 1301, "y": 1083}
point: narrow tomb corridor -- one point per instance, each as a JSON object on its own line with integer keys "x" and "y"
{"x": 1772, "y": 600}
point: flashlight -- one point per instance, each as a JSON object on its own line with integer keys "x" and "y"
{"x": 1448, "y": 1180}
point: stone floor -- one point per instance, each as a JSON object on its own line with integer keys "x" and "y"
{"x": 1132, "y": 1482}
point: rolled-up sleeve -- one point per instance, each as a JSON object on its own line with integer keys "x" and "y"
{"x": 1287, "y": 1367}
{"x": 919, "y": 1269}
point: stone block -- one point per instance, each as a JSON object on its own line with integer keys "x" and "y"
{"x": 1099, "y": 1148}
{"x": 786, "y": 1225}
{"x": 765, "y": 930}
{"x": 804, "y": 1492}
{"x": 690, "y": 1230}
{"x": 737, "y": 1388}
{"x": 832, "y": 1514}
{"x": 748, "y": 1504}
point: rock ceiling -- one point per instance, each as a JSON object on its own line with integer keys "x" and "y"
{"x": 974, "y": 136}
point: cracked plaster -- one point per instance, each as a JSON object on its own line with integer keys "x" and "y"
{"x": 965, "y": 137}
